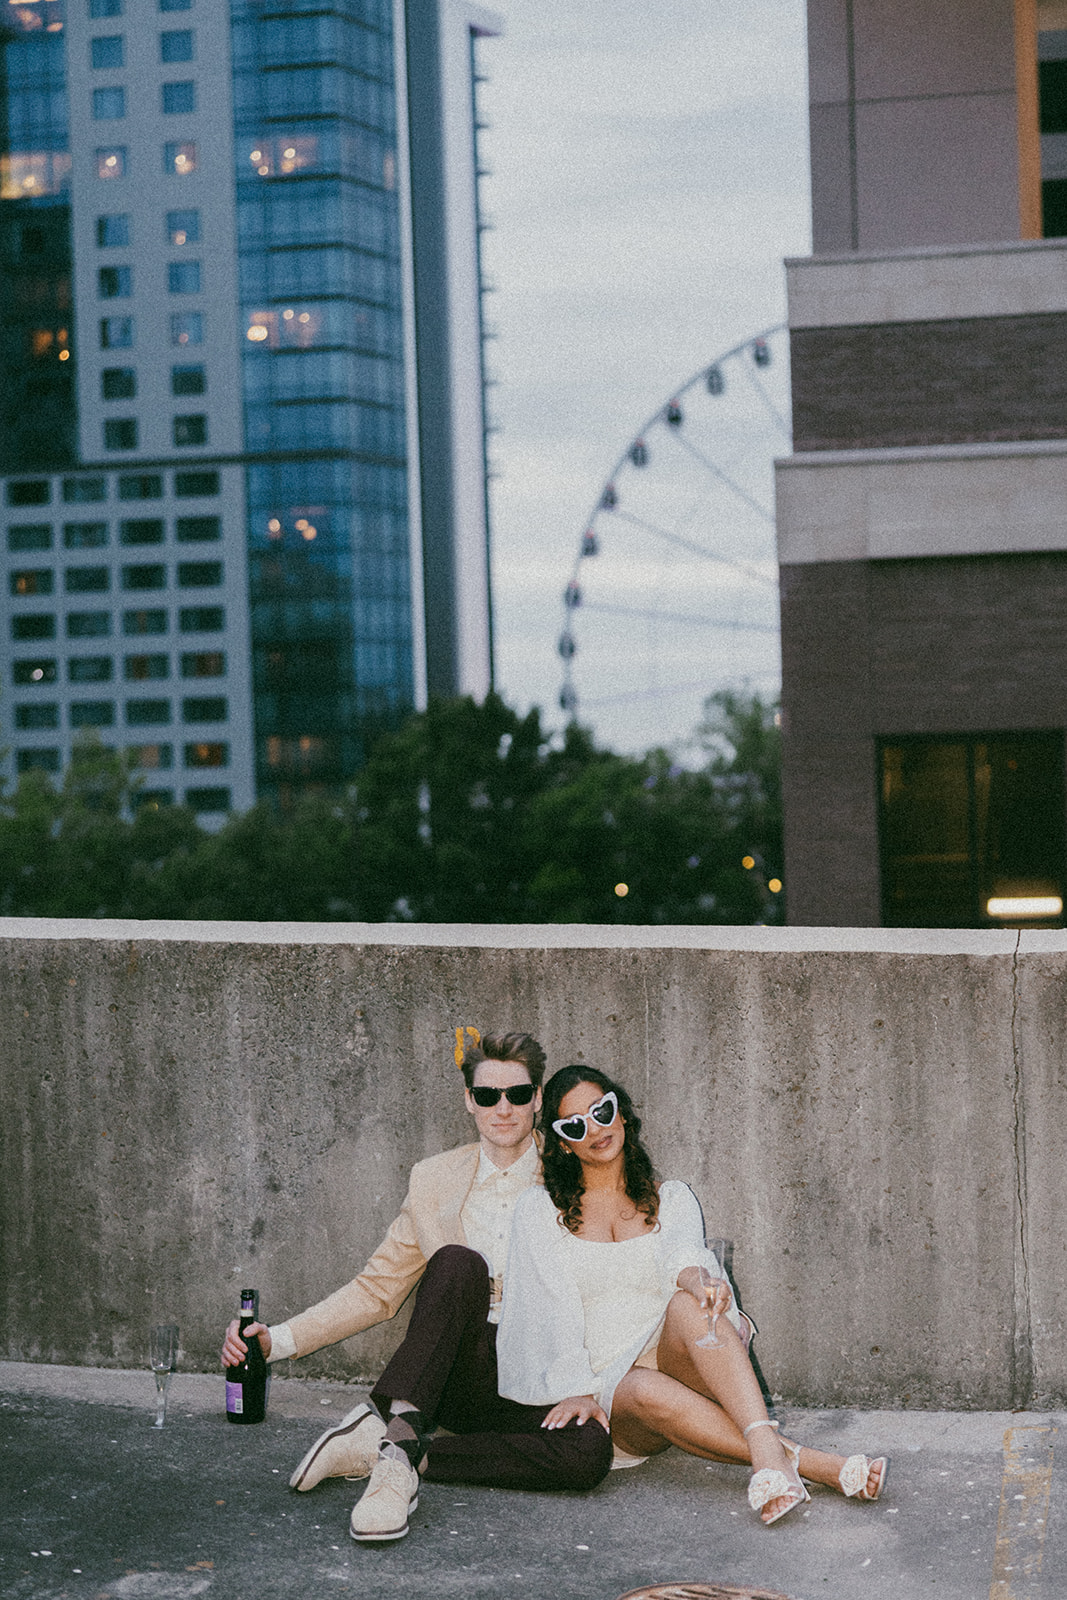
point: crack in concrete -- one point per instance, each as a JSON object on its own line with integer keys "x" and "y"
{"x": 1023, "y": 1344}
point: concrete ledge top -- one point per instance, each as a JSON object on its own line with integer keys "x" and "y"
{"x": 546, "y": 936}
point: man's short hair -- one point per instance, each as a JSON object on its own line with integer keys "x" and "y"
{"x": 522, "y": 1048}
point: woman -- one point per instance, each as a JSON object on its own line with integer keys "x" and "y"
{"x": 604, "y": 1306}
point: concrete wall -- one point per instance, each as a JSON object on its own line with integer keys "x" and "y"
{"x": 874, "y": 1117}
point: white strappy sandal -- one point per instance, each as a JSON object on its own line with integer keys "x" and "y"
{"x": 770, "y": 1483}
{"x": 855, "y": 1473}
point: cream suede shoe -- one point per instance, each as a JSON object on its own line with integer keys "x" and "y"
{"x": 347, "y": 1450}
{"x": 391, "y": 1494}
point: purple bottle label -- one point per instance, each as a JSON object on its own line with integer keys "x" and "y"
{"x": 235, "y": 1399}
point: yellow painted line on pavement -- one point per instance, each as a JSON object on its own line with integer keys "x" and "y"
{"x": 1023, "y": 1516}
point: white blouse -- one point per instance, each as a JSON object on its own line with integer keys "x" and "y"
{"x": 578, "y": 1312}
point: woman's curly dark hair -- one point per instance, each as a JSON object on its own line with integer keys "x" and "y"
{"x": 563, "y": 1170}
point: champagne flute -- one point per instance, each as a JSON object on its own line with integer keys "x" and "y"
{"x": 711, "y": 1340}
{"x": 163, "y": 1359}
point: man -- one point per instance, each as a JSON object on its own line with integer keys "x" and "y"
{"x": 451, "y": 1239}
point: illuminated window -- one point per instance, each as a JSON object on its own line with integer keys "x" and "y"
{"x": 120, "y": 433}
{"x": 109, "y": 104}
{"x": 141, "y": 530}
{"x": 116, "y": 333}
{"x": 292, "y": 327}
{"x": 278, "y": 155}
{"x": 135, "y": 623}
{"x": 179, "y": 158}
{"x": 87, "y": 580}
{"x": 147, "y": 713}
{"x": 118, "y": 383}
{"x": 37, "y": 716}
{"x": 84, "y": 535}
{"x": 183, "y": 277}
{"x": 111, "y": 163}
{"x": 178, "y": 98}
{"x": 42, "y": 670}
{"x": 204, "y": 664}
{"x": 187, "y": 327}
{"x": 107, "y": 50}
{"x": 113, "y": 232}
{"x": 183, "y": 227}
{"x": 114, "y": 283}
{"x": 188, "y": 380}
{"x": 177, "y": 44}
{"x": 151, "y": 575}
{"x": 26, "y": 175}
{"x": 88, "y": 624}
{"x": 190, "y": 530}
{"x": 139, "y": 668}
{"x": 90, "y": 669}
{"x": 153, "y": 756}
{"x": 30, "y": 536}
{"x": 207, "y": 755}
{"x": 40, "y": 626}
{"x": 141, "y": 486}
{"x": 190, "y": 430}
{"x": 31, "y": 580}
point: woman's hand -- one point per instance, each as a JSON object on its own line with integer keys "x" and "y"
{"x": 581, "y": 1408}
{"x": 234, "y": 1348}
{"x": 718, "y": 1297}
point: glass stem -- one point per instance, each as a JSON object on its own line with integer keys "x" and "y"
{"x": 162, "y": 1385}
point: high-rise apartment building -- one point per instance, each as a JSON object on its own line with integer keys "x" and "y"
{"x": 242, "y": 425}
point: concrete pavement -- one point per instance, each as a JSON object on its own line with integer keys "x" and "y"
{"x": 94, "y": 1502}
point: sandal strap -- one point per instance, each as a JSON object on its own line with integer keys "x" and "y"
{"x": 764, "y": 1422}
{"x": 771, "y": 1484}
{"x": 853, "y": 1476}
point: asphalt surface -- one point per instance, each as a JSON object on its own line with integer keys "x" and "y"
{"x": 95, "y": 1502}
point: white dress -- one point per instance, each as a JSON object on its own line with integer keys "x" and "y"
{"x": 578, "y": 1312}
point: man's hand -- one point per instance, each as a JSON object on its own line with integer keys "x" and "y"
{"x": 234, "y": 1348}
{"x": 580, "y": 1407}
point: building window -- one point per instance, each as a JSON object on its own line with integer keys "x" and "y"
{"x": 152, "y": 756}
{"x": 204, "y": 708}
{"x": 141, "y": 530}
{"x": 120, "y": 433}
{"x": 105, "y": 8}
{"x": 30, "y": 492}
{"x": 179, "y": 158}
{"x": 42, "y": 670}
{"x": 107, "y": 50}
{"x": 30, "y": 536}
{"x": 109, "y": 104}
{"x": 111, "y": 162}
{"x": 141, "y": 486}
{"x": 87, "y": 580}
{"x": 176, "y": 44}
{"x": 188, "y": 380}
{"x": 199, "y": 574}
{"x": 195, "y": 485}
{"x": 142, "y": 623}
{"x": 113, "y": 233}
{"x": 84, "y": 535}
{"x": 207, "y": 755}
{"x": 175, "y": 5}
{"x": 37, "y": 761}
{"x": 183, "y": 277}
{"x": 151, "y": 799}
{"x": 114, "y": 283}
{"x": 183, "y": 227}
{"x": 196, "y": 619}
{"x": 139, "y": 668}
{"x": 83, "y": 491}
{"x": 208, "y": 799}
{"x": 187, "y": 327}
{"x": 92, "y": 714}
{"x": 178, "y": 98}
{"x": 147, "y": 713}
{"x": 32, "y": 580}
{"x": 118, "y": 383}
{"x": 972, "y": 831}
{"x": 88, "y": 625}
{"x": 192, "y": 530}
{"x": 151, "y": 575}
{"x": 204, "y": 664}
{"x": 116, "y": 333}
{"x": 36, "y": 627}
{"x": 37, "y": 716}
{"x": 190, "y": 430}
{"x": 90, "y": 669}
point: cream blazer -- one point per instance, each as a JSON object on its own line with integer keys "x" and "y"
{"x": 429, "y": 1218}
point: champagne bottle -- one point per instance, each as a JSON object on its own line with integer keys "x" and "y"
{"x": 248, "y": 1384}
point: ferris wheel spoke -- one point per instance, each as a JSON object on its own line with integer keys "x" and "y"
{"x": 724, "y": 477}
{"x": 754, "y": 379}
{"x": 694, "y": 547}
{"x": 653, "y": 614}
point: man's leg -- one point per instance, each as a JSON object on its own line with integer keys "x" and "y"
{"x": 523, "y": 1455}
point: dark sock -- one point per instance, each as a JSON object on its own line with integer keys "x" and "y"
{"x": 407, "y": 1432}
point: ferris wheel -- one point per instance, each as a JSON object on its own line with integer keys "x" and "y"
{"x": 674, "y": 589}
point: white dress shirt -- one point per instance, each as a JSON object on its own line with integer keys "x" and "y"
{"x": 487, "y": 1211}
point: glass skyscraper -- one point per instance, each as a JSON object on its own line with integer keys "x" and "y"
{"x": 243, "y": 419}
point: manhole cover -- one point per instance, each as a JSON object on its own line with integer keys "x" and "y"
{"x": 701, "y": 1591}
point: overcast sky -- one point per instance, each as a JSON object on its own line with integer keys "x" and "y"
{"x": 649, "y": 173}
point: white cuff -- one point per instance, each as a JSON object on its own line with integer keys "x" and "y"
{"x": 282, "y": 1343}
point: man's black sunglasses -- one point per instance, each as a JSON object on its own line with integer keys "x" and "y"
{"x": 520, "y": 1094}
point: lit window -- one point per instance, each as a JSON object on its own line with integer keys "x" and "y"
{"x": 293, "y": 326}
{"x": 84, "y": 535}
{"x": 87, "y": 580}
{"x": 33, "y": 580}
{"x": 179, "y": 158}
{"x": 115, "y": 283}
{"x": 116, "y": 333}
{"x": 178, "y": 99}
{"x": 136, "y": 623}
{"x": 90, "y": 669}
{"x": 43, "y": 670}
{"x": 120, "y": 433}
{"x": 139, "y": 668}
{"x": 109, "y": 104}
{"x": 156, "y": 756}
{"x": 204, "y": 664}
{"x": 187, "y": 327}
{"x": 111, "y": 163}
{"x": 188, "y": 380}
{"x": 183, "y": 277}
{"x": 199, "y": 574}
{"x": 37, "y": 716}
{"x": 190, "y": 430}
{"x": 207, "y": 755}
{"x": 108, "y": 50}
{"x": 118, "y": 383}
{"x": 88, "y": 624}
{"x": 25, "y": 175}
{"x": 279, "y": 155}
{"x": 183, "y": 227}
{"x": 113, "y": 232}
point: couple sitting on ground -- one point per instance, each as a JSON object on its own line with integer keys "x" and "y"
{"x": 589, "y": 1359}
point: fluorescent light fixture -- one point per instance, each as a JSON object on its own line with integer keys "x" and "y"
{"x": 1024, "y": 905}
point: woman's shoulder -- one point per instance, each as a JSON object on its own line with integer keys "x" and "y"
{"x": 534, "y": 1203}
{"x": 675, "y": 1195}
